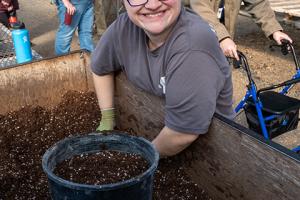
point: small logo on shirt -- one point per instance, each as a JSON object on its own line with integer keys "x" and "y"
{"x": 162, "y": 84}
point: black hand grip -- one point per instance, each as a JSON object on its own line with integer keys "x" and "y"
{"x": 244, "y": 63}
{"x": 285, "y": 46}
{"x": 237, "y": 63}
{"x": 285, "y": 42}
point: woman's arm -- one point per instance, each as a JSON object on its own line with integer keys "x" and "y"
{"x": 170, "y": 142}
{"x": 104, "y": 86}
{"x": 204, "y": 9}
{"x": 263, "y": 15}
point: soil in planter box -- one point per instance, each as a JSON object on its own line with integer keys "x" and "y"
{"x": 104, "y": 167}
{"x": 25, "y": 135}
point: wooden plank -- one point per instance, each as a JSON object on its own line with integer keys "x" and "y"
{"x": 228, "y": 162}
{"x": 287, "y": 7}
{"x": 283, "y": 3}
{"x": 42, "y": 82}
{"x": 291, "y": 7}
{"x": 146, "y": 105}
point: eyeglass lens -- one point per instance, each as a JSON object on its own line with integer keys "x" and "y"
{"x": 134, "y": 3}
{"x": 137, "y": 2}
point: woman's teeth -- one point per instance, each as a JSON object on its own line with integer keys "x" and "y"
{"x": 154, "y": 14}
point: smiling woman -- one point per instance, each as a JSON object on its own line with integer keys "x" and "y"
{"x": 169, "y": 51}
{"x": 154, "y": 17}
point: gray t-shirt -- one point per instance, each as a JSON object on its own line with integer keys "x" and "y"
{"x": 189, "y": 69}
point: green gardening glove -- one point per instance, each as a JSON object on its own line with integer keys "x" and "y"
{"x": 107, "y": 122}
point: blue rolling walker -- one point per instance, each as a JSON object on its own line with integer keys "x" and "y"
{"x": 268, "y": 112}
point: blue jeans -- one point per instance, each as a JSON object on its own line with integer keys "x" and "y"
{"x": 82, "y": 19}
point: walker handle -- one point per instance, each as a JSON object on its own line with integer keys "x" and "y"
{"x": 244, "y": 62}
{"x": 287, "y": 47}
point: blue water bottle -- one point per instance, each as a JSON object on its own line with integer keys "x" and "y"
{"x": 22, "y": 47}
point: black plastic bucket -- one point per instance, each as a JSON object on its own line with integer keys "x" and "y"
{"x": 137, "y": 188}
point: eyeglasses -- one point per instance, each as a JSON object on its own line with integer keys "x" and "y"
{"x": 134, "y": 3}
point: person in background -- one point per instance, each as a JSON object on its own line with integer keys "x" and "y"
{"x": 82, "y": 12}
{"x": 105, "y": 12}
{"x": 169, "y": 51}
{"x": 100, "y": 17}
{"x": 222, "y": 16}
{"x": 8, "y": 9}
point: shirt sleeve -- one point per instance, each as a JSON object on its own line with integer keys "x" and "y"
{"x": 193, "y": 83}
{"x": 104, "y": 59}
{"x": 206, "y": 11}
{"x": 263, "y": 15}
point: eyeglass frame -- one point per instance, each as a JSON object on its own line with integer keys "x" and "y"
{"x": 146, "y": 1}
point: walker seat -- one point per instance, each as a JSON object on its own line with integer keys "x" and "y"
{"x": 281, "y": 113}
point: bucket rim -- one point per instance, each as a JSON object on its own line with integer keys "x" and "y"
{"x": 104, "y": 187}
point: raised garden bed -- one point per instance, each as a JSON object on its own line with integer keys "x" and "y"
{"x": 26, "y": 134}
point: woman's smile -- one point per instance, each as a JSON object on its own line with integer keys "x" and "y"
{"x": 156, "y": 16}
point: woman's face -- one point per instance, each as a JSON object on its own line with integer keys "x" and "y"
{"x": 155, "y": 16}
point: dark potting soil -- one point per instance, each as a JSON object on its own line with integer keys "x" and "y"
{"x": 26, "y": 134}
{"x": 100, "y": 168}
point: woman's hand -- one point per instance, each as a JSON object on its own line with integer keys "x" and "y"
{"x": 8, "y": 5}
{"x": 229, "y": 48}
{"x": 278, "y": 36}
{"x": 10, "y": 8}
{"x": 5, "y": 3}
{"x": 107, "y": 122}
{"x": 69, "y": 6}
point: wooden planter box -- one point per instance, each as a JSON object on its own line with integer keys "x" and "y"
{"x": 230, "y": 162}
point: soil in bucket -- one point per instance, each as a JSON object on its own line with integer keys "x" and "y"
{"x": 105, "y": 167}
{"x": 101, "y": 147}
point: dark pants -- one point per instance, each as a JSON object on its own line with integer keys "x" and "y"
{"x": 4, "y": 18}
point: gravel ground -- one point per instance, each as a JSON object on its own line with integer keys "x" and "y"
{"x": 40, "y": 19}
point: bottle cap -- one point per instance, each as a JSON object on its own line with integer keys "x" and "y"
{"x": 17, "y": 25}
